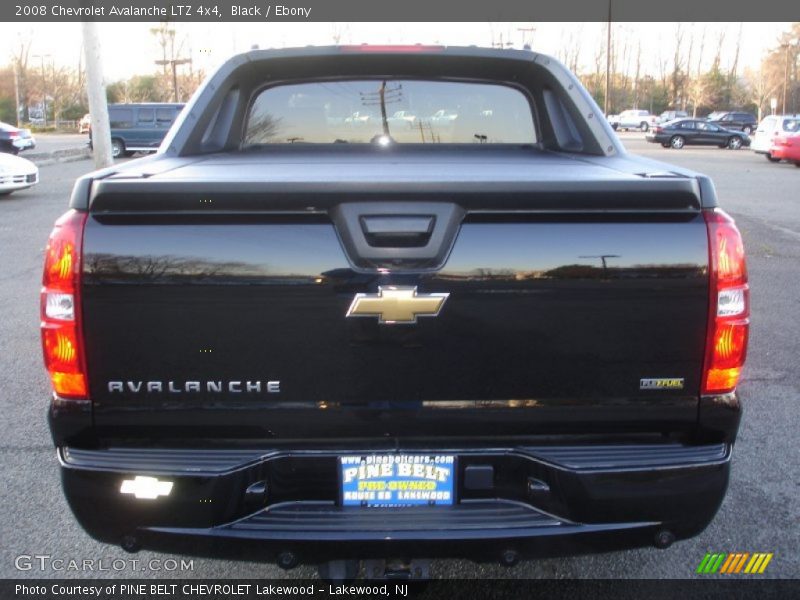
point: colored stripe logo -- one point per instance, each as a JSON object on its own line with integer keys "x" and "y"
{"x": 735, "y": 563}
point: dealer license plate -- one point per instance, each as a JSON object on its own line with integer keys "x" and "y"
{"x": 392, "y": 480}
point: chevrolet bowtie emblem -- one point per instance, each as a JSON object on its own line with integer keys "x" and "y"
{"x": 393, "y": 304}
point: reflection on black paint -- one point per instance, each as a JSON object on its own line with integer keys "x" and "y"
{"x": 528, "y": 319}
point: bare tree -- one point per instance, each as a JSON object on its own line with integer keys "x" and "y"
{"x": 690, "y": 52}
{"x": 569, "y": 52}
{"x": 715, "y": 65}
{"x": 677, "y": 78}
{"x": 700, "y": 55}
{"x": 575, "y": 46}
{"x": 697, "y": 92}
{"x": 761, "y": 87}
{"x": 20, "y": 56}
{"x": 262, "y": 129}
{"x": 172, "y": 47}
{"x": 636, "y": 87}
{"x": 165, "y": 36}
{"x": 340, "y": 31}
{"x": 735, "y": 66}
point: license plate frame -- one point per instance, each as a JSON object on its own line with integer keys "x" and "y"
{"x": 416, "y": 479}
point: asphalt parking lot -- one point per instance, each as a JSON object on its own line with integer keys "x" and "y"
{"x": 760, "y": 514}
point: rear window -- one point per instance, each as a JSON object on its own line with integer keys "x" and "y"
{"x": 767, "y": 123}
{"x": 791, "y": 125}
{"x": 402, "y": 111}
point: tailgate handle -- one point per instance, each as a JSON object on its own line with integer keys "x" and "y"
{"x": 397, "y": 231}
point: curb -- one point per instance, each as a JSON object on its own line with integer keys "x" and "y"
{"x": 41, "y": 159}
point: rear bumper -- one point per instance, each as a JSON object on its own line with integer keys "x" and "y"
{"x": 620, "y": 495}
{"x": 784, "y": 153}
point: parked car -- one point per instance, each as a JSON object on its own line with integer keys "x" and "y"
{"x": 739, "y": 121}
{"x": 786, "y": 147}
{"x": 635, "y": 119}
{"x": 13, "y": 139}
{"x": 771, "y": 127}
{"x": 671, "y": 115}
{"x": 139, "y": 127}
{"x": 676, "y": 134}
{"x": 85, "y": 124}
{"x": 16, "y": 173}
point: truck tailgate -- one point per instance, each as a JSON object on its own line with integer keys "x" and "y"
{"x": 222, "y": 313}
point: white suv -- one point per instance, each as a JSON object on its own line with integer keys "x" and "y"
{"x": 769, "y": 128}
{"x": 635, "y": 119}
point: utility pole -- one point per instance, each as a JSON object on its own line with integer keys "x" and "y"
{"x": 603, "y": 259}
{"x": 607, "y": 100}
{"x": 96, "y": 91}
{"x": 383, "y": 97}
{"x": 174, "y": 63}
{"x": 382, "y": 93}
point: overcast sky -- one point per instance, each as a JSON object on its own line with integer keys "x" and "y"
{"x": 130, "y": 49}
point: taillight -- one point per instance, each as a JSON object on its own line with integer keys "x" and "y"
{"x": 657, "y": 129}
{"x": 729, "y": 312}
{"x": 13, "y": 134}
{"x": 62, "y": 337}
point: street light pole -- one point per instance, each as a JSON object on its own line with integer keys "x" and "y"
{"x": 174, "y": 64}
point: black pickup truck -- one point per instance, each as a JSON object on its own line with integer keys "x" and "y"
{"x": 394, "y": 303}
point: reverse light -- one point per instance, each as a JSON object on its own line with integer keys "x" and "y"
{"x": 60, "y": 306}
{"x": 729, "y": 305}
{"x": 62, "y": 340}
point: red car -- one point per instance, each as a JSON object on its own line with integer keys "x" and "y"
{"x": 786, "y": 147}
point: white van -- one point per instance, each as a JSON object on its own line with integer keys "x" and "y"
{"x": 769, "y": 128}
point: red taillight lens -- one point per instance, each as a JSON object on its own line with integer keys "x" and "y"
{"x": 62, "y": 341}
{"x": 729, "y": 311}
{"x": 390, "y": 48}
{"x": 657, "y": 130}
